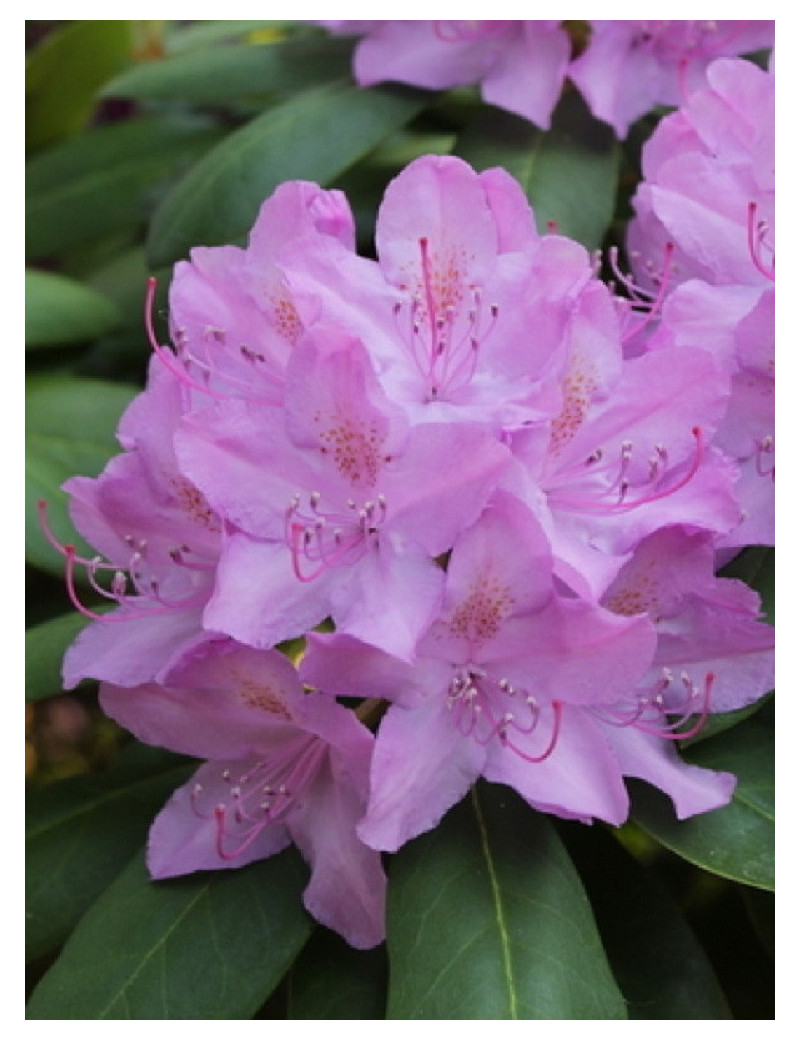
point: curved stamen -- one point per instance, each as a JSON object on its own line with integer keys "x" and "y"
{"x": 757, "y": 244}
{"x": 620, "y": 486}
{"x": 263, "y": 795}
{"x": 476, "y": 699}
{"x": 640, "y": 295}
{"x": 327, "y": 539}
{"x": 649, "y": 714}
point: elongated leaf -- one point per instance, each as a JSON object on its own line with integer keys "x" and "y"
{"x": 659, "y": 964}
{"x": 569, "y": 172}
{"x": 213, "y": 945}
{"x": 69, "y": 430}
{"x": 107, "y": 179}
{"x": 62, "y": 310}
{"x": 331, "y": 980}
{"x": 204, "y": 35}
{"x": 315, "y": 136}
{"x": 230, "y": 72}
{"x": 738, "y": 840}
{"x": 64, "y": 73}
{"x": 487, "y": 919}
{"x": 81, "y": 832}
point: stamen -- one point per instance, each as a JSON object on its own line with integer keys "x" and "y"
{"x": 325, "y": 539}
{"x": 757, "y": 244}
{"x": 620, "y": 485}
{"x": 479, "y": 712}
{"x": 641, "y": 297}
{"x": 649, "y": 714}
{"x": 171, "y": 362}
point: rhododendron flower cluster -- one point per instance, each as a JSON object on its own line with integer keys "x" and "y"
{"x": 487, "y": 493}
{"x": 622, "y": 68}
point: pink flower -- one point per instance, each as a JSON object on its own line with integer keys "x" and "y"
{"x": 506, "y": 685}
{"x": 233, "y": 321}
{"x": 461, "y": 278}
{"x": 519, "y": 65}
{"x": 334, "y": 506}
{"x": 710, "y": 188}
{"x": 629, "y": 67}
{"x": 158, "y": 542}
{"x": 284, "y": 766}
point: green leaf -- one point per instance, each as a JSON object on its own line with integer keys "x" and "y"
{"x": 108, "y": 179}
{"x": 64, "y": 73}
{"x": 81, "y": 832}
{"x": 232, "y": 72}
{"x": 61, "y": 310}
{"x": 331, "y": 980}
{"x": 69, "y": 429}
{"x": 487, "y": 919}
{"x": 659, "y": 964}
{"x": 45, "y": 645}
{"x": 205, "y": 35}
{"x": 213, "y": 945}
{"x": 738, "y": 840}
{"x": 315, "y": 136}
{"x": 569, "y": 172}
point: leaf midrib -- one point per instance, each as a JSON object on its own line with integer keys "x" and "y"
{"x": 505, "y": 942}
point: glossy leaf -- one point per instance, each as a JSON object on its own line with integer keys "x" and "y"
{"x": 315, "y": 136}
{"x": 107, "y": 179}
{"x": 231, "y": 72}
{"x": 569, "y": 172}
{"x": 213, "y": 945}
{"x": 62, "y": 310}
{"x": 69, "y": 429}
{"x": 331, "y": 980}
{"x": 81, "y": 832}
{"x": 487, "y": 919}
{"x": 660, "y": 966}
{"x": 738, "y": 840}
{"x": 64, "y": 73}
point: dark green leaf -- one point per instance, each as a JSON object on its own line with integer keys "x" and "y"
{"x": 81, "y": 832}
{"x": 231, "y": 72}
{"x": 69, "y": 430}
{"x": 213, "y": 945}
{"x": 487, "y": 919}
{"x": 107, "y": 179}
{"x": 331, "y": 980}
{"x": 64, "y": 73}
{"x": 657, "y": 961}
{"x": 315, "y": 136}
{"x": 569, "y": 172}
{"x": 44, "y": 649}
{"x": 738, "y": 840}
{"x": 61, "y": 310}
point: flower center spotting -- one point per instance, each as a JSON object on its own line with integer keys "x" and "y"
{"x": 262, "y": 696}
{"x": 578, "y": 386}
{"x": 354, "y": 446}
{"x": 479, "y": 616}
{"x": 193, "y": 503}
{"x": 285, "y": 319}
